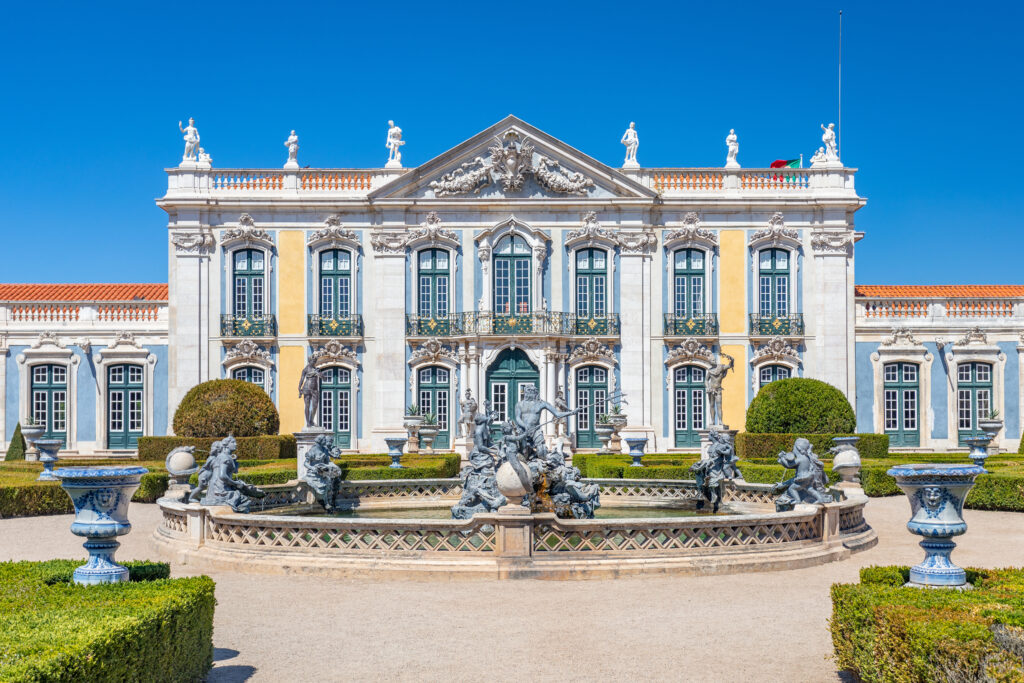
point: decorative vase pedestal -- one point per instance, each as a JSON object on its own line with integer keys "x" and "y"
{"x": 412, "y": 427}
{"x": 604, "y": 432}
{"x": 617, "y": 421}
{"x": 636, "y": 449}
{"x": 303, "y": 442}
{"x": 991, "y": 428}
{"x": 936, "y": 494}
{"x": 395, "y": 451}
{"x": 101, "y": 496}
{"x": 979, "y": 449}
{"x": 428, "y": 433}
{"x": 48, "y": 449}
{"x": 30, "y": 433}
{"x": 846, "y": 461}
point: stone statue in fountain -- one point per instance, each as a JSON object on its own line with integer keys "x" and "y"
{"x": 322, "y": 475}
{"x": 808, "y": 485}
{"x": 715, "y": 469}
{"x": 217, "y": 479}
{"x": 309, "y": 391}
{"x": 468, "y": 406}
{"x": 713, "y": 389}
{"x": 479, "y": 489}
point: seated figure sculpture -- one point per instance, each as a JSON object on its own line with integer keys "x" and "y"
{"x": 808, "y": 485}
{"x": 221, "y": 488}
{"x": 479, "y": 490}
{"x": 322, "y": 475}
{"x": 717, "y": 467}
{"x": 572, "y": 497}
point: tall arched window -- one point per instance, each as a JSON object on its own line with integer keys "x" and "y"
{"x": 124, "y": 406}
{"x": 249, "y": 282}
{"x": 435, "y": 398}
{"x": 335, "y": 284}
{"x": 591, "y": 283}
{"x": 773, "y": 283}
{"x": 973, "y": 398}
{"x": 592, "y": 402}
{"x": 688, "y": 284}
{"x": 900, "y": 403}
{"x": 512, "y": 276}
{"x": 50, "y": 400}
{"x": 432, "y": 291}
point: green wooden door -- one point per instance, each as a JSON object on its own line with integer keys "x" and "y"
{"x": 124, "y": 406}
{"x": 50, "y": 400}
{"x": 335, "y": 284}
{"x": 688, "y": 384}
{"x": 249, "y": 285}
{"x": 434, "y": 397}
{"x": 336, "y": 404}
{"x": 973, "y": 398}
{"x": 900, "y": 404}
{"x": 773, "y": 283}
{"x": 688, "y": 284}
{"x": 592, "y": 401}
{"x": 507, "y": 376}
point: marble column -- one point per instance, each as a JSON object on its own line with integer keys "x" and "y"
{"x": 388, "y": 348}
{"x": 834, "y": 309}
{"x": 474, "y": 374}
{"x": 189, "y": 313}
{"x": 551, "y": 367}
{"x": 635, "y": 337}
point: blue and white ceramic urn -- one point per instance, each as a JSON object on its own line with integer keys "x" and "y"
{"x": 636, "y": 449}
{"x": 101, "y": 496}
{"x": 936, "y": 494}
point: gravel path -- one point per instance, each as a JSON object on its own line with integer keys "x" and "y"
{"x": 742, "y": 627}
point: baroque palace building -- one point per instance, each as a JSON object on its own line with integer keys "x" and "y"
{"x": 511, "y": 259}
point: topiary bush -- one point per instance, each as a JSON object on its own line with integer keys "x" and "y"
{"x": 799, "y": 405}
{"x": 16, "y": 449}
{"x": 220, "y": 407}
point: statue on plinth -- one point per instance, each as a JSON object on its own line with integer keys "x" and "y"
{"x": 733, "y": 145}
{"x": 394, "y": 144}
{"x": 191, "y": 140}
{"x": 632, "y": 141}
{"x": 819, "y": 157}
{"x": 713, "y": 389}
{"x": 468, "y": 406}
{"x": 561, "y": 424}
{"x": 220, "y": 485}
{"x": 808, "y": 485}
{"x": 309, "y": 391}
{"x": 292, "y": 143}
{"x": 716, "y": 468}
{"x": 322, "y": 475}
{"x": 205, "y": 158}
{"x": 829, "y": 139}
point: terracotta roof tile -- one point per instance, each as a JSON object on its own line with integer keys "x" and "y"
{"x": 940, "y": 291}
{"x": 83, "y": 292}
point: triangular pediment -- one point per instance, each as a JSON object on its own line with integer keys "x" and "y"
{"x": 512, "y": 160}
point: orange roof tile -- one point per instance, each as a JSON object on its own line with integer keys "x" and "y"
{"x": 83, "y": 292}
{"x": 940, "y": 291}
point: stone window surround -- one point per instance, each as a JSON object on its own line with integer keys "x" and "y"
{"x": 710, "y": 253}
{"x": 793, "y": 362}
{"x": 264, "y": 364}
{"x": 414, "y": 265}
{"x": 228, "y": 249}
{"x": 972, "y": 353}
{"x": 127, "y": 352}
{"x": 333, "y": 361}
{"x": 487, "y": 241}
{"x": 314, "y": 250}
{"x": 795, "y": 254}
{"x": 918, "y": 355}
{"x": 415, "y": 365}
{"x": 598, "y": 359}
{"x": 609, "y": 249}
{"x": 51, "y": 353}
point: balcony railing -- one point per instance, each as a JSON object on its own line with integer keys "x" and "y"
{"x": 248, "y": 326}
{"x": 784, "y": 325}
{"x": 334, "y": 326}
{"x": 539, "y": 323}
{"x": 700, "y": 325}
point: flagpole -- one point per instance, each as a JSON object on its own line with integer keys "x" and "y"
{"x": 839, "y": 125}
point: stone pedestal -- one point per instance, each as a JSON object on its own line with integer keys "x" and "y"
{"x": 303, "y": 442}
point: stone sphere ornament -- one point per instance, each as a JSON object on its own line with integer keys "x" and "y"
{"x": 510, "y": 485}
{"x": 101, "y": 496}
{"x": 936, "y": 493}
{"x": 181, "y": 464}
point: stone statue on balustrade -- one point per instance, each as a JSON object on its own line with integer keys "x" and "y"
{"x": 217, "y": 479}
{"x": 713, "y": 389}
{"x": 829, "y": 139}
{"x": 808, "y": 485}
{"x": 309, "y": 391}
{"x": 292, "y": 143}
{"x": 468, "y": 406}
{"x": 561, "y": 424}
{"x": 733, "y": 146}
{"x": 394, "y": 144}
{"x": 818, "y": 158}
{"x": 715, "y": 469}
{"x": 632, "y": 141}
{"x": 322, "y": 475}
{"x": 191, "y": 140}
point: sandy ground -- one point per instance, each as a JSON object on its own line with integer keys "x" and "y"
{"x": 742, "y": 627}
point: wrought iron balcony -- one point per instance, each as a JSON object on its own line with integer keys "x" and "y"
{"x": 537, "y": 323}
{"x": 248, "y": 326}
{"x": 777, "y": 326}
{"x": 334, "y": 326}
{"x": 700, "y": 325}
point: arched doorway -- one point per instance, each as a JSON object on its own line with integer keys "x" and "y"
{"x": 507, "y": 376}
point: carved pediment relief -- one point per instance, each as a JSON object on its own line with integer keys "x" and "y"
{"x": 246, "y": 233}
{"x": 690, "y": 233}
{"x": 590, "y": 233}
{"x": 591, "y": 351}
{"x": 775, "y": 351}
{"x": 776, "y": 234}
{"x": 334, "y": 234}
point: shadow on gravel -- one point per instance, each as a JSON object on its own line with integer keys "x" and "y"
{"x": 234, "y": 673}
{"x": 222, "y": 653}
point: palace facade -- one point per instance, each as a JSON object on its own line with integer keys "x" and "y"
{"x": 515, "y": 259}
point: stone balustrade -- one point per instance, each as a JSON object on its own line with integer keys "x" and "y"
{"x": 82, "y": 314}
{"x": 753, "y": 181}
{"x": 889, "y": 309}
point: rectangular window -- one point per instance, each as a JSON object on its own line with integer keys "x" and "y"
{"x": 442, "y": 410}
{"x": 60, "y": 411}
{"x": 766, "y": 296}
{"x": 680, "y": 410}
{"x": 600, "y": 402}
{"x": 327, "y": 297}
{"x": 963, "y": 372}
{"x": 697, "y": 295}
{"x": 39, "y": 374}
{"x": 891, "y": 411}
{"x": 425, "y": 376}
{"x": 766, "y": 376}
{"x": 680, "y": 375}
{"x": 499, "y": 401}
{"x": 116, "y": 411}
{"x": 910, "y": 410}
{"x": 344, "y": 376}
{"x": 909, "y": 373}
{"x": 697, "y": 399}
{"x": 583, "y": 375}
{"x": 134, "y": 374}
{"x": 984, "y": 372}
{"x": 425, "y": 296}
{"x": 135, "y": 411}
{"x": 782, "y": 296}
{"x": 582, "y": 296}
{"x": 327, "y": 376}
{"x": 343, "y": 411}
{"x": 583, "y": 404}
{"x": 984, "y": 402}
{"x": 117, "y": 374}
{"x": 327, "y": 410}
{"x": 256, "y": 376}
{"x": 680, "y": 296}
{"x": 600, "y": 375}
{"x": 697, "y": 375}
{"x": 240, "y": 297}
{"x": 327, "y": 260}
{"x": 441, "y": 376}
{"x": 442, "y": 295}
{"x": 501, "y": 287}
{"x": 257, "y": 297}
{"x": 963, "y": 409}
{"x": 522, "y": 286}
{"x": 599, "y": 296}
{"x": 344, "y": 297}
{"x": 426, "y": 404}
{"x": 60, "y": 374}
{"x": 891, "y": 372}
{"x": 39, "y": 407}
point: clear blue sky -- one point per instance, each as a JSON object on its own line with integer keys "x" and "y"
{"x": 93, "y": 93}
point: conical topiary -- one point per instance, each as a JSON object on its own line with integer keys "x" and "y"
{"x": 16, "y": 449}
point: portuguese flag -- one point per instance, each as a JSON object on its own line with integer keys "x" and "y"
{"x": 785, "y": 163}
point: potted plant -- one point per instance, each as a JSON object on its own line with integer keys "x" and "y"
{"x": 429, "y": 430}
{"x": 30, "y": 431}
{"x": 412, "y": 421}
{"x": 604, "y": 429}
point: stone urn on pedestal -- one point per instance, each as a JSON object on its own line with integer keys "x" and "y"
{"x": 991, "y": 426}
{"x": 604, "y": 430}
{"x": 395, "y": 451}
{"x": 428, "y": 432}
{"x": 936, "y": 493}
{"x": 979, "y": 449}
{"x": 618, "y": 420}
{"x": 846, "y": 460}
{"x": 48, "y": 449}
{"x": 412, "y": 421}
{"x": 636, "y": 449}
{"x": 30, "y": 432}
{"x": 101, "y": 496}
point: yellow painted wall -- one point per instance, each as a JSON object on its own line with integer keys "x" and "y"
{"x": 732, "y": 299}
{"x": 734, "y": 388}
{"x": 291, "y": 282}
{"x": 290, "y": 363}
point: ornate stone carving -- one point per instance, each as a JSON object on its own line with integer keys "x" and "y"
{"x": 776, "y": 350}
{"x": 689, "y": 233}
{"x": 333, "y": 232}
{"x": 433, "y": 351}
{"x": 901, "y": 336}
{"x": 973, "y": 336}
{"x": 192, "y": 242}
{"x": 590, "y": 232}
{"x": 809, "y": 485}
{"x": 776, "y": 232}
{"x": 125, "y": 338}
{"x": 334, "y": 352}
{"x": 247, "y": 232}
{"x": 432, "y": 231}
{"x": 827, "y": 242}
{"x": 83, "y": 343}
{"x": 591, "y": 350}
{"x": 247, "y": 349}
{"x": 47, "y": 338}
{"x": 689, "y": 350}
{"x": 509, "y": 163}
{"x": 389, "y": 242}
{"x": 636, "y": 242}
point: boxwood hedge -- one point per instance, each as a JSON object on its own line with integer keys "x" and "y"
{"x": 884, "y": 632}
{"x": 799, "y": 405}
{"x": 270, "y": 447}
{"x": 149, "y": 629}
{"x": 15, "y": 449}
{"x": 226, "y": 406}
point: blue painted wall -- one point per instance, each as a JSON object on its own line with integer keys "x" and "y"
{"x": 1011, "y": 415}
{"x": 865, "y": 376}
{"x": 160, "y": 390}
{"x": 939, "y": 393}
{"x": 87, "y": 395}
{"x": 11, "y": 391}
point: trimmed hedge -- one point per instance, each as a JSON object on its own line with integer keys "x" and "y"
{"x": 16, "y": 449}
{"x": 149, "y": 629}
{"x": 798, "y": 405}
{"x": 750, "y": 445}
{"x": 226, "y": 406}
{"x": 883, "y": 632}
{"x": 269, "y": 447}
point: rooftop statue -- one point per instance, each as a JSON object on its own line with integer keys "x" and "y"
{"x": 632, "y": 141}
{"x": 394, "y": 144}
{"x": 715, "y": 469}
{"x": 191, "y": 140}
{"x": 292, "y": 143}
{"x": 322, "y": 475}
{"x": 713, "y": 388}
{"x": 819, "y": 157}
{"x": 309, "y": 390}
{"x": 808, "y": 485}
{"x": 733, "y": 145}
{"x": 829, "y": 139}
{"x": 221, "y": 487}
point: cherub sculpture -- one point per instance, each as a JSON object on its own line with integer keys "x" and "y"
{"x": 808, "y": 485}
{"x": 221, "y": 487}
{"x": 715, "y": 469}
{"x": 322, "y": 475}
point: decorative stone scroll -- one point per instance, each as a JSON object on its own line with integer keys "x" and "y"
{"x": 334, "y": 352}
{"x": 973, "y": 336}
{"x": 246, "y": 232}
{"x": 431, "y": 231}
{"x": 47, "y": 338}
{"x": 590, "y": 233}
{"x": 775, "y": 234}
{"x": 247, "y": 350}
{"x": 197, "y": 243}
{"x": 642, "y": 242}
{"x": 433, "y": 351}
{"x": 334, "y": 233}
{"x": 776, "y": 350}
{"x": 591, "y": 351}
{"x": 901, "y": 336}
{"x": 827, "y": 242}
{"x": 389, "y": 241}
{"x": 690, "y": 232}
{"x": 557, "y": 179}
{"x": 689, "y": 350}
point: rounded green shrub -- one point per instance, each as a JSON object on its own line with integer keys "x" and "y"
{"x": 799, "y": 405}
{"x": 220, "y": 407}
{"x": 16, "y": 449}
